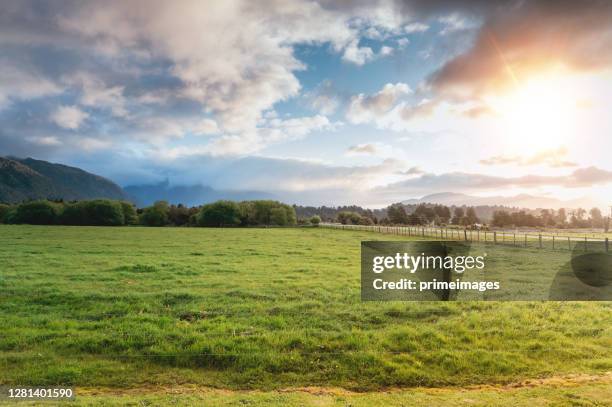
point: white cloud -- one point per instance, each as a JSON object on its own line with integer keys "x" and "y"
{"x": 356, "y": 54}
{"x": 69, "y": 117}
{"x": 205, "y": 127}
{"x": 365, "y": 109}
{"x": 372, "y": 149}
{"x": 23, "y": 83}
{"x": 95, "y": 93}
{"x": 45, "y": 141}
{"x": 385, "y": 51}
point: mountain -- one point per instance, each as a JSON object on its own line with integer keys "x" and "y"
{"x": 27, "y": 179}
{"x": 191, "y": 195}
{"x": 517, "y": 201}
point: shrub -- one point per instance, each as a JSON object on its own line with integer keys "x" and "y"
{"x": 220, "y": 213}
{"x": 315, "y": 220}
{"x": 4, "y": 209}
{"x": 37, "y": 213}
{"x": 99, "y": 212}
{"x": 278, "y": 216}
{"x": 129, "y": 213}
{"x": 156, "y": 215}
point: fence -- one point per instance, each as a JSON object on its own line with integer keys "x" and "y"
{"x": 526, "y": 240}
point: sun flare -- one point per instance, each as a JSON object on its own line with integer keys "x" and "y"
{"x": 538, "y": 113}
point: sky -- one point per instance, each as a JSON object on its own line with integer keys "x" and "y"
{"x": 317, "y": 102}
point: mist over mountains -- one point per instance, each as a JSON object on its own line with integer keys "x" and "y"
{"x": 190, "y": 195}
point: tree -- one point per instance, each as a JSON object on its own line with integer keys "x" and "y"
{"x": 396, "y": 214}
{"x": 99, "y": 212}
{"x": 156, "y": 215}
{"x": 129, "y": 213}
{"x": 178, "y": 215}
{"x": 315, "y": 220}
{"x": 470, "y": 216}
{"x": 220, "y": 213}
{"x": 278, "y": 216}
{"x": 458, "y": 215}
{"x": 349, "y": 218}
{"x": 4, "y": 209}
{"x": 561, "y": 217}
{"x": 37, "y": 213}
{"x": 425, "y": 213}
{"x": 596, "y": 218}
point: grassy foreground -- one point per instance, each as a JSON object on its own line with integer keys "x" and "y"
{"x": 259, "y": 309}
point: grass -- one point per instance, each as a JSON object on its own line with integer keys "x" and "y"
{"x": 260, "y": 309}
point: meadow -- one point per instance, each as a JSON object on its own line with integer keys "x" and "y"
{"x": 263, "y": 309}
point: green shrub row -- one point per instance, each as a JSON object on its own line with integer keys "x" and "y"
{"x": 99, "y": 212}
{"x": 105, "y": 212}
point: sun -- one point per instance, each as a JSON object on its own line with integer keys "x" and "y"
{"x": 538, "y": 113}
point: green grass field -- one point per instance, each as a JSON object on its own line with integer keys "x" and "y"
{"x": 265, "y": 309}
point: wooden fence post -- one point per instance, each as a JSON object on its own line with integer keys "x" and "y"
{"x": 553, "y": 242}
{"x": 494, "y": 237}
{"x": 607, "y": 245}
{"x": 540, "y": 239}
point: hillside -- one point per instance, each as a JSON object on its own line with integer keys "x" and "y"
{"x": 27, "y": 179}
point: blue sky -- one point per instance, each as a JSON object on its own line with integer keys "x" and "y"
{"x": 317, "y": 102}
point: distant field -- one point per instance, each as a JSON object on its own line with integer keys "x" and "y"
{"x": 260, "y": 309}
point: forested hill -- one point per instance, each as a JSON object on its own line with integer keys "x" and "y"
{"x": 27, "y": 179}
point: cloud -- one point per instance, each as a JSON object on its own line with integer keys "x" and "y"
{"x": 373, "y": 149}
{"x": 465, "y": 182}
{"x": 552, "y": 158}
{"x": 365, "y": 109}
{"x": 324, "y": 98}
{"x": 94, "y": 93}
{"x": 387, "y": 110}
{"x": 69, "y": 117}
{"x": 45, "y": 141}
{"x": 357, "y": 55}
{"x": 412, "y": 171}
{"x": 23, "y": 83}
{"x": 205, "y": 127}
{"x": 518, "y": 38}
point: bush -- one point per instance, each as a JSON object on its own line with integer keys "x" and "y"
{"x": 156, "y": 215}
{"x": 220, "y": 213}
{"x": 99, "y": 212}
{"x": 278, "y": 216}
{"x": 129, "y": 213}
{"x": 4, "y": 209}
{"x": 37, "y": 213}
{"x": 315, "y": 220}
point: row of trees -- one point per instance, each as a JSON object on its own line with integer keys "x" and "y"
{"x": 422, "y": 215}
{"x": 578, "y": 218}
{"x": 104, "y": 212}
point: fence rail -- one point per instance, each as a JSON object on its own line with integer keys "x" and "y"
{"x": 526, "y": 240}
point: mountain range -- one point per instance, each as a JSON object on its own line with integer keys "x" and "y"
{"x": 28, "y": 179}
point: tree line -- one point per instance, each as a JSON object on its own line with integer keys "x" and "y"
{"x": 578, "y": 218}
{"x": 423, "y": 214}
{"x": 106, "y": 212}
